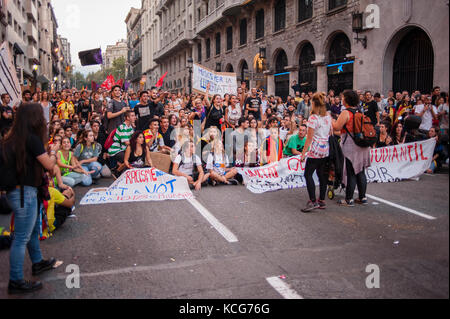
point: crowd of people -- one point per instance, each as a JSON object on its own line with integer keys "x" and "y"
{"x": 52, "y": 142}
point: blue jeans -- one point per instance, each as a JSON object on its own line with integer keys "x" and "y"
{"x": 74, "y": 179}
{"x": 26, "y": 231}
{"x": 97, "y": 167}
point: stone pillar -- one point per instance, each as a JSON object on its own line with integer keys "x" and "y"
{"x": 270, "y": 83}
{"x": 322, "y": 78}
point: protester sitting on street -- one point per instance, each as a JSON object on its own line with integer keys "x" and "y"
{"x": 399, "y": 134}
{"x": 317, "y": 149}
{"x": 189, "y": 165}
{"x": 71, "y": 170}
{"x": 56, "y": 216}
{"x": 154, "y": 139}
{"x": 166, "y": 131}
{"x": 296, "y": 143}
{"x": 272, "y": 149}
{"x": 87, "y": 153}
{"x": 384, "y": 139}
{"x": 440, "y": 154}
{"x": 218, "y": 166}
{"x": 137, "y": 154}
{"x": 121, "y": 141}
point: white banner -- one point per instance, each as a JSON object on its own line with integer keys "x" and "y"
{"x": 8, "y": 77}
{"x": 221, "y": 83}
{"x": 141, "y": 185}
{"x": 389, "y": 164}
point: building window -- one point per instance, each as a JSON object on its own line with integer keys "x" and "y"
{"x": 229, "y": 38}
{"x": 208, "y": 48}
{"x": 217, "y": 43}
{"x": 305, "y": 10}
{"x": 280, "y": 15}
{"x": 259, "y": 24}
{"x": 199, "y": 52}
{"x": 333, "y": 4}
{"x": 243, "y": 31}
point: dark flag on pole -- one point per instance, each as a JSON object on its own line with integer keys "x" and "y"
{"x": 91, "y": 57}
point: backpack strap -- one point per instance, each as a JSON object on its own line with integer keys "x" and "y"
{"x": 346, "y": 129}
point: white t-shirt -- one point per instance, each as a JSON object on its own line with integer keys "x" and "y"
{"x": 46, "y": 110}
{"x": 264, "y": 106}
{"x": 283, "y": 133}
{"x": 187, "y": 167}
{"x": 444, "y": 118}
{"x": 218, "y": 163}
{"x": 427, "y": 118}
{"x": 320, "y": 147}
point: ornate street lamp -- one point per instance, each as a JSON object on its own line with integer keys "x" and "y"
{"x": 190, "y": 64}
{"x": 357, "y": 25}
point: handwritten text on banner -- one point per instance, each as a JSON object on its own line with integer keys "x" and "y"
{"x": 389, "y": 164}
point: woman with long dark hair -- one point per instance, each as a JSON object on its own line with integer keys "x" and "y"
{"x": 357, "y": 159}
{"x": 399, "y": 134}
{"x": 137, "y": 154}
{"x": 24, "y": 159}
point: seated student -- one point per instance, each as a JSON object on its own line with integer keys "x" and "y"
{"x": 71, "y": 170}
{"x": 272, "y": 151}
{"x": 217, "y": 166}
{"x": 68, "y": 133}
{"x": 296, "y": 143}
{"x": 189, "y": 165}
{"x": 87, "y": 153}
{"x": 137, "y": 154}
{"x": 440, "y": 154}
{"x": 384, "y": 139}
{"x": 58, "y": 209}
{"x": 154, "y": 139}
{"x": 121, "y": 141}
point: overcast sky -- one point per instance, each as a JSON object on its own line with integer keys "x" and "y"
{"x": 89, "y": 24}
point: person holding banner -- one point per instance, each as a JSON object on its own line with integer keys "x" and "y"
{"x": 357, "y": 159}
{"x": 317, "y": 148}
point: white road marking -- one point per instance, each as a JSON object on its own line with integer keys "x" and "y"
{"x": 406, "y": 209}
{"x": 283, "y": 289}
{"x": 224, "y": 231}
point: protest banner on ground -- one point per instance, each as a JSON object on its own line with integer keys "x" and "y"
{"x": 9, "y": 83}
{"x": 389, "y": 164}
{"x": 141, "y": 185}
{"x": 221, "y": 83}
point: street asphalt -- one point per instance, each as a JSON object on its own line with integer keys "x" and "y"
{"x": 169, "y": 250}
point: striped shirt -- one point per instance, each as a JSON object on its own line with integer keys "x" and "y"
{"x": 123, "y": 135}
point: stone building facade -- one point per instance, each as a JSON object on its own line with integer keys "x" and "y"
{"x": 271, "y": 43}
{"x": 113, "y": 52}
{"x": 134, "y": 40}
{"x": 30, "y": 28}
{"x": 151, "y": 38}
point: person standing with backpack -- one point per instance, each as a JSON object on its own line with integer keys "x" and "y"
{"x": 23, "y": 159}
{"x": 357, "y": 135}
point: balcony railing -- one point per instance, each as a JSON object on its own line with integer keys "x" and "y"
{"x": 32, "y": 32}
{"x": 225, "y": 8}
{"x": 32, "y": 53}
{"x": 167, "y": 47}
{"x": 31, "y": 10}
